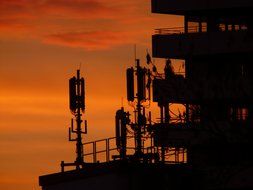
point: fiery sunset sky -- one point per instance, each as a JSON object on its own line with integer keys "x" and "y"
{"x": 42, "y": 43}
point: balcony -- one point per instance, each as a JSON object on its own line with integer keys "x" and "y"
{"x": 203, "y": 90}
{"x": 181, "y": 7}
{"x": 174, "y": 43}
{"x": 179, "y": 30}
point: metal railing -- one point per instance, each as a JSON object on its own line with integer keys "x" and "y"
{"x": 180, "y": 30}
{"x": 166, "y": 31}
{"x": 95, "y": 152}
{"x": 108, "y": 148}
{"x": 197, "y": 29}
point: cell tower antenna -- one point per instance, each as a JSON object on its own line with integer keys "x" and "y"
{"x": 77, "y": 107}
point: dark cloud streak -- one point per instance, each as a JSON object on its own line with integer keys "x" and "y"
{"x": 57, "y": 22}
{"x": 97, "y": 40}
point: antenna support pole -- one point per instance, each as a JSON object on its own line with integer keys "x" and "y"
{"x": 79, "y": 144}
{"x": 139, "y": 117}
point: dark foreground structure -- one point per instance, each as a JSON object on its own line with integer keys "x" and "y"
{"x": 208, "y": 144}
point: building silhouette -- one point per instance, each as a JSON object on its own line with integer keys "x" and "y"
{"x": 207, "y": 145}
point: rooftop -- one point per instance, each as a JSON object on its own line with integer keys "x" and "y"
{"x": 102, "y": 169}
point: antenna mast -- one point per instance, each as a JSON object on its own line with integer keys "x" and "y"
{"x": 138, "y": 99}
{"x": 77, "y": 107}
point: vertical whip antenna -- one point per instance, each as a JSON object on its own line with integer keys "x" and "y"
{"x": 135, "y": 49}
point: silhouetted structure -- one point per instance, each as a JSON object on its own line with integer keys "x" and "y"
{"x": 216, "y": 90}
{"x": 207, "y": 144}
{"x": 77, "y": 106}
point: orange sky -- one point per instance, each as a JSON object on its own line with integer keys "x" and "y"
{"x": 42, "y": 43}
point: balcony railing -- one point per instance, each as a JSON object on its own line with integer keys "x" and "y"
{"x": 166, "y": 31}
{"x": 179, "y": 30}
{"x": 197, "y": 29}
